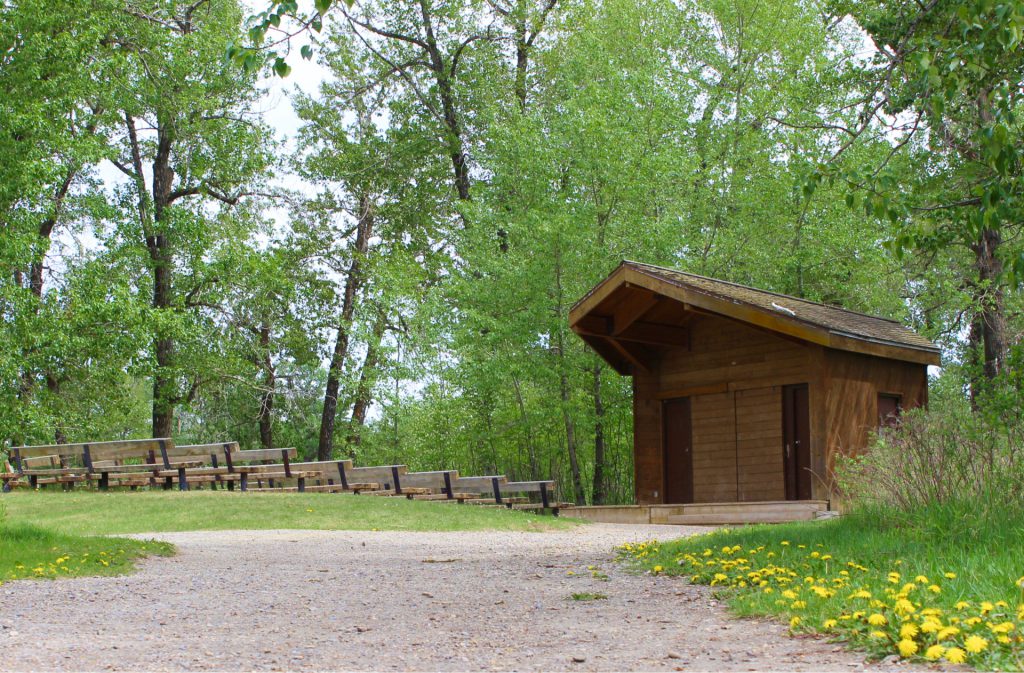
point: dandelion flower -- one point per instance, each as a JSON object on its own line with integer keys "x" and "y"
{"x": 907, "y": 648}
{"x": 935, "y": 589}
{"x": 947, "y": 632}
{"x": 921, "y": 579}
{"x": 962, "y": 605}
{"x": 975, "y": 644}
{"x": 658, "y": 569}
{"x": 934, "y": 653}
{"x": 878, "y": 634}
{"x": 829, "y": 624}
{"x": 955, "y": 655}
{"x": 950, "y": 576}
{"x": 877, "y": 620}
{"x": 794, "y": 622}
{"x": 908, "y": 631}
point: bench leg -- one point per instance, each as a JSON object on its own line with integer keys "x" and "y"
{"x": 231, "y": 485}
{"x": 168, "y": 483}
{"x": 244, "y": 482}
{"x": 213, "y": 485}
{"x": 133, "y": 487}
{"x": 182, "y": 480}
{"x": 105, "y": 481}
{"x": 33, "y": 481}
{"x": 7, "y": 486}
{"x": 302, "y": 484}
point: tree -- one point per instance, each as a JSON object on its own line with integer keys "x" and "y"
{"x": 942, "y": 85}
{"x": 187, "y": 121}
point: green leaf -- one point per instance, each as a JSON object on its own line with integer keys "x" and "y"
{"x": 281, "y": 69}
{"x": 307, "y": 52}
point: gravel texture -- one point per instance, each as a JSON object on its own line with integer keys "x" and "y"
{"x": 333, "y": 600}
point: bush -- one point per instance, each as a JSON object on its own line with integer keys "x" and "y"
{"x": 946, "y": 457}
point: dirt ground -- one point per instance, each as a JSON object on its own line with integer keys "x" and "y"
{"x": 383, "y": 601}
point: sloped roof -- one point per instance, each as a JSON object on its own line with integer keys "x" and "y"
{"x": 827, "y": 325}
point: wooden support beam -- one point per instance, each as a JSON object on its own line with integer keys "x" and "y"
{"x": 632, "y": 311}
{"x": 657, "y": 334}
{"x": 629, "y": 352}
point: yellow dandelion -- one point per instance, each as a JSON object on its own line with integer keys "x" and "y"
{"x": 908, "y": 631}
{"x": 950, "y": 576}
{"x": 794, "y": 622}
{"x": 907, "y": 648}
{"x": 962, "y": 605}
{"x": 903, "y": 606}
{"x": 878, "y": 634}
{"x": 829, "y": 624}
{"x": 947, "y": 632}
{"x": 1004, "y": 627}
{"x": 921, "y": 579}
{"x": 955, "y": 655}
{"x": 877, "y": 620}
{"x": 986, "y": 607}
{"x": 934, "y": 653}
{"x": 975, "y": 644}
{"x": 935, "y": 589}
{"x": 658, "y": 569}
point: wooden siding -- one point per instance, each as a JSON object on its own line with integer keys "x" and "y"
{"x": 726, "y": 352}
{"x": 714, "y": 448}
{"x": 759, "y": 444}
{"x": 648, "y": 463}
{"x": 852, "y": 385}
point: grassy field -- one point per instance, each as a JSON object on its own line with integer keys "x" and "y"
{"x": 31, "y": 551}
{"x": 114, "y": 513}
{"x": 929, "y": 586}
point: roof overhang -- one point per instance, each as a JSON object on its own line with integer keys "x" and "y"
{"x": 611, "y": 319}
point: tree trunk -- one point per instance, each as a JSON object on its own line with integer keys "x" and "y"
{"x": 364, "y": 391}
{"x": 266, "y": 415}
{"x": 570, "y": 439}
{"x": 364, "y": 229}
{"x": 598, "y": 496}
{"x": 990, "y": 272}
{"x": 524, "y": 419}
{"x": 165, "y": 396}
{"x": 991, "y": 307}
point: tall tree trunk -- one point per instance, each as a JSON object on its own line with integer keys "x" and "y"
{"x": 364, "y": 391}
{"x": 364, "y": 229}
{"x": 266, "y": 415}
{"x": 524, "y": 419}
{"x": 567, "y": 419}
{"x": 992, "y": 303}
{"x": 443, "y": 75}
{"x": 165, "y": 394}
{"x": 598, "y": 496}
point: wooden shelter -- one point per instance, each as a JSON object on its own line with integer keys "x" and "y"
{"x": 743, "y": 395}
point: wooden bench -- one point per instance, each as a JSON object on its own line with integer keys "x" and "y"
{"x": 261, "y": 471}
{"x": 98, "y": 460}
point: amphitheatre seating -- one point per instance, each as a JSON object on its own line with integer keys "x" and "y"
{"x": 264, "y": 471}
{"x": 151, "y": 462}
{"x": 101, "y": 462}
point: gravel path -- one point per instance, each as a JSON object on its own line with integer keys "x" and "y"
{"x": 316, "y": 600}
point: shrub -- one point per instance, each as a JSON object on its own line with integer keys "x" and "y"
{"x": 946, "y": 456}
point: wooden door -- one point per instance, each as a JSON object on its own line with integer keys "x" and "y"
{"x": 796, "y": 439}
{"x": 678, "y": 449}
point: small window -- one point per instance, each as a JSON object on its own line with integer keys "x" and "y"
{"x": 889, "y": 408}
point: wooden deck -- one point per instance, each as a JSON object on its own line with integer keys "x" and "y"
{"x": 706, "y": 514}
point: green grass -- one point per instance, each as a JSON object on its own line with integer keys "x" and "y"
{"x": 959, "y": 573}
{"x": 587, "y": 596}
{"x": 28, "y": 551}
{"x": 160, "y": 512}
